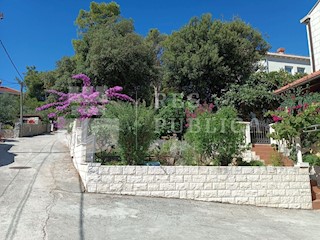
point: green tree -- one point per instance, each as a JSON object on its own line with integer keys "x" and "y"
{"x": 34, "y": 84}
{"x": 99, "y": 13}
{"x": 9, "y": 108}
{"x": 206, "y": 56}
{"x": 155, "y": 40}
{"x": 255, "y": 94}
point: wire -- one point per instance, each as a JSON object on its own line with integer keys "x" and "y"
{"x": 8, "y": 55}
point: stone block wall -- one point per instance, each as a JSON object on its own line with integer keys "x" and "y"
{"x": 283, "y": 187}
{"x": 29, "y": 130}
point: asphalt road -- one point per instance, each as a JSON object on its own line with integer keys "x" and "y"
{"x": 44, "y": 200}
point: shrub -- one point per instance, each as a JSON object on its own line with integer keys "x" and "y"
{"x": 216, "y": 136}
{"x": 136, "y": 130}
{"x": 252, "y": 163}
{"x": 171, "y": 116}
{"x": 313, "y": 160}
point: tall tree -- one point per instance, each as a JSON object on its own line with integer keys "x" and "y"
{"x": 9, "y": 108}
{"x": 155, "y": 40}
{"x": 206, "y": 56}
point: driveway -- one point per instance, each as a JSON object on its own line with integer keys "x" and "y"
{"x": 44, "y": 200}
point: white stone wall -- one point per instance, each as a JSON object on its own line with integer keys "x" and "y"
{"x": 282, "y": 187}
{"x": 315, "y": 28}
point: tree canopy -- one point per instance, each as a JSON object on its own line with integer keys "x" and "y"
{"x": 206, "y": 56}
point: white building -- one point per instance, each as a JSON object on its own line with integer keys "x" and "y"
{"x": 274, "y": 62}
{"x": 312, "y": 22}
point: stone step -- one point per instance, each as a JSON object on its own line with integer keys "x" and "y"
{"x": 316, "y": 204}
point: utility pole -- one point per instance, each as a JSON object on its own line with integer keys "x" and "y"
{"x": 21, "y": 83}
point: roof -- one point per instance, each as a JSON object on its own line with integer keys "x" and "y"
{"x": 290, "y": 56}
{"x": 307, "y": 17}
{"x": 9, "y": 90}
{"x": 299, "y": 82}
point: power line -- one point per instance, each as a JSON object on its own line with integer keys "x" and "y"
{"x": 8, "y": 55}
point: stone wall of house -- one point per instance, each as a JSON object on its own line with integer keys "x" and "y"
{"x": 29, "y": 130}
{"x": 7, "y": 133}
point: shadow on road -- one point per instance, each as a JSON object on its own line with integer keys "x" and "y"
{"x": 6, "y": 158}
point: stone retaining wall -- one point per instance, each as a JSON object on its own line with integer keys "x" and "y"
{"x": 283, "y": 187}
{"x": 29, "y": 130}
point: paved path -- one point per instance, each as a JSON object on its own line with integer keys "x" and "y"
{"x": 45, "y": 201}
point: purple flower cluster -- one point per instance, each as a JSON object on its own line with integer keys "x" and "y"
{"x": 88, "y": 102}
{"x": 85, "y": 79}
{"x": 113, "y": 93}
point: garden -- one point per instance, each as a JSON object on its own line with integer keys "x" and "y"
{"x": 170, "y": 99}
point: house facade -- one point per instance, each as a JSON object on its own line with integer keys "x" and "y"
{"x": 274, "y": 62}
{"x": 312, "y": 22}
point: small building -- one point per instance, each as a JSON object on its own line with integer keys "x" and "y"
{"x": 274, "y": 62}
{"x": 32, "y": 119}
{"x": 9, "y": 90}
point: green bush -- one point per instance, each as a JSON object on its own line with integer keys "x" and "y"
{"x": 136, "y": 130}
{"x": 276, "y": 159}
{"x": 216, "y": 136}
{"x": 313, "y": 160}
{"x": 171, "y": 116}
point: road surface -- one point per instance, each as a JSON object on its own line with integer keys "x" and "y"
{"x": 41, "y": 198}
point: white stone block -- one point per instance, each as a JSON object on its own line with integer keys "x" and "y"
{"x": 140, "y": 187}
{"x": 253, "y": 178}
{"x": 141, "y": 170}
{"x": 92, "y": 188}
{"x": 203, "y": 170}
{"x": 245, "y": 185}
{"x": 219, "y": 186}
{"x": 116, "y": 187}
{"x": 176, "y": 178}
{"x": 209, "y": 194}
{"x": 162, "y": 178}
{"x": 212, "y": 178}
{"x": 224, "y": 193}
{"x": 241, "y": 200}
{"x": 247, "y": 170}
{"x": 241, "y": 178}
{"x": 103, "y": 187}
{"x": 157, "y": 193}
{"x": 222, "y": 178}
{"x": 134, "y": 178}
{"x": 208, "y": 186}
{"x": 172, "y": 194}
{"x": 196, "y": 186}
{"x": 198, "y": 178}
{"x": 167, "y": 186}
{"x": 183, "y": 194}
{"x": 107, "y": 179}
{"x": 104, "y": 170}
{"x": 149, "y": 178}
{"x": 288, "y": 178}
{"x": 129, "y": 170}
{"x": 128, "y": 187}
{"x": 232, "y": 186}
{"x": 183, "y": 186}
{"x": 120, "y": 179}
{"x": 116, "y": 170}
{"x": 302, "y": 178}
{"x": 143, "y": 193}
{"x": 187, "y": 178}
{"x": 153, "y": 187}
{"x": 266, "y": 178}
{"x": 157, "y": 170}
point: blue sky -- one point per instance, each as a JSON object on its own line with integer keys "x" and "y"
{"x": 39, "y": 32}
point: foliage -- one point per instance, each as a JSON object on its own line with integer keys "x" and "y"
{"x": 291, "y": 122}
{"x": 216, "y": 136}
{"x": 206, "y": 56}
{"x": 9, "y": 108}
{"x": 99, "y": 13}
{"x": 255, "y": 94}
{"x": 86, "y": 104}
{"x": 136, "y": 130}
{"x": 171, "y": 116}
{"x": 313, "y": 160}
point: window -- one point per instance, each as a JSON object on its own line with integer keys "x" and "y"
{"x": 288, "y": 69}
{"x": 300, "y": 70}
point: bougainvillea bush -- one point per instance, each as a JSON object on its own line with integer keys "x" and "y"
{"x": 86, "y": 104}
{"x": 293, "y": 122}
